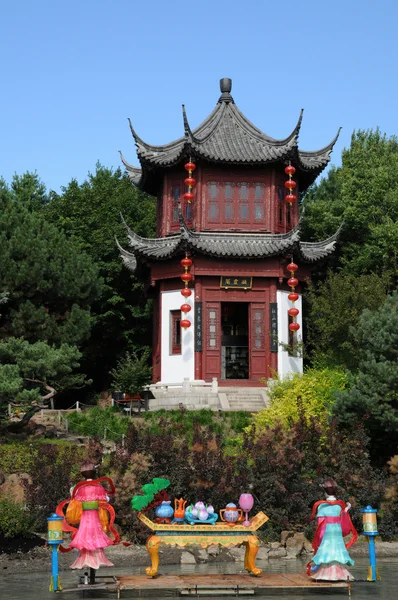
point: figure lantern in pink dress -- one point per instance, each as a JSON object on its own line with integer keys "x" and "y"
{"x": 88, "y": 506}
{"x": 331, "y": 556}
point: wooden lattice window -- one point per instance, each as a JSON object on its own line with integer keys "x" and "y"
{"x": 212, "y": 328}
{"x": 229, "y": 208}
{"x": 213, "y": 202}
{"x": 244, "y": 205}
{"x": 175, "y": 332}
{"x": 281, "y": 204}
{"x": 258, "y": 202}
{"x": 175, "y": 198}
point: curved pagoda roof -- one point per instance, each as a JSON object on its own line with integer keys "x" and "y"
{"x": 226, "y": 137}
{"x": 223, "y": 245}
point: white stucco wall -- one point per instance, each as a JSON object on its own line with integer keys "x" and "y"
{"x": 287, "y": 364}
{"x": 174, "y": 367}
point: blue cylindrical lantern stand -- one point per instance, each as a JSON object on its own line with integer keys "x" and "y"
{"x": 369, "y": 520}
{"x": 54, "y": 540}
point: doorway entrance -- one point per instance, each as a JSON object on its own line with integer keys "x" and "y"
{"x": 234, "y": 340}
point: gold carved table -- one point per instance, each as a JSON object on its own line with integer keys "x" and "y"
{"x": 204, "y": 536}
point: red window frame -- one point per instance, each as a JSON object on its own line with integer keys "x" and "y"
{"x": 178, "y": 198}
{"x": 175, "y": 332}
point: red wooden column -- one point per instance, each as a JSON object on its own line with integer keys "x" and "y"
{"x": 157, "y": 329}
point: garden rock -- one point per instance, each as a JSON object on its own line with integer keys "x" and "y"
{"x": 295, "y": 545}
{"x": 13, "y": 487}
{"x": 202, "y": 555}
{"x": 213, "y": 550}
{"x": 237, "y": 554}
{"x": 284, "y": 537}
{"x": 187, "y": 558}
{"x": 263, "y": 553}
{"x": 277, "y": 552}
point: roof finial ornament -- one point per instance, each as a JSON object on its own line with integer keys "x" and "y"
{"x": 225, "y": 87}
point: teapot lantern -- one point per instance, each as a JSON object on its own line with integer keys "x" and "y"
{"x": 231, "y": 514}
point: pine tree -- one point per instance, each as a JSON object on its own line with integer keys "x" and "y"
{"x": 51, "y": 283}
{"x": 373, "y": 395}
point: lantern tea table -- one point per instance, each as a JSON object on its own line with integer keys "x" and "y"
{"x": 204, "y": 536}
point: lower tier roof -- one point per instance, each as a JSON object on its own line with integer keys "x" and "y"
{"x": 223, "y": 245}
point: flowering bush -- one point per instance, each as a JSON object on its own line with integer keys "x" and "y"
{"x": 316, "y": 390}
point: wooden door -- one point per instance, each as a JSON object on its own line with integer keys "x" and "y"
{"x": 258, "y": 343}
{"x": 212, "y": 358}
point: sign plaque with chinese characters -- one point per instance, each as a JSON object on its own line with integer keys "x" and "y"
{"x": 236, "y": 283}
{"x": 273, "y": 314}
{"x": 198, "y": 327}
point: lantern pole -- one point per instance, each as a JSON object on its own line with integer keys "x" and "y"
{"x": 369, "y": 520}
{"x": 54, "y": 540}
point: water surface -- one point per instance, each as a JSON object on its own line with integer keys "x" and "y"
{"x": 34, "y": 586}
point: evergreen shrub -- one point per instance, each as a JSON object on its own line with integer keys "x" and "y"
{"x": 15, "y": 520}
{"x": 17, "y": 457}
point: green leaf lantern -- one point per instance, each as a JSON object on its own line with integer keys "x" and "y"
{"x": 149, "y": 491}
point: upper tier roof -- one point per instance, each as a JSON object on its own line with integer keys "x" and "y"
{"x": 226, "y": 137}
{"x": 224, "y": 245}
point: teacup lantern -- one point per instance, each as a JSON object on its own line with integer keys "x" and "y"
{"x": 231, "y": 514}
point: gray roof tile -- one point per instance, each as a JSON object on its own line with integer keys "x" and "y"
{"x": 227, "y": 136}
{"x": 224, "y": 245}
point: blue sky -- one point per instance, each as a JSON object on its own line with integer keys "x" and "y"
{"x": 74, "y": 70}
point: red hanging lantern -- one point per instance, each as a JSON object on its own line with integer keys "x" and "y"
{"x": 186, "y": 277}
{"x": 189, "y": 196}
{"x": 293, "y": 296}
{"x": 290, "y": 170}
{"x": 190, "y": 182}
{"x": 186, "y": 263}
{"x": 290, "y": 184}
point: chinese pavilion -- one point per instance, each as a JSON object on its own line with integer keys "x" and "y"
{"x": 226, "y": 233}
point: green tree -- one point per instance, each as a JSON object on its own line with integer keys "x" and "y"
{"x": 90, "y": 213}
{"x": 27, "y": 370}
{"x": 364, "y": 193}
{"x": 373, "y": 395}
{"x": 334, "y": 308}
{"x": 132, "y": 372}
{"x": 50, "y": 282}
